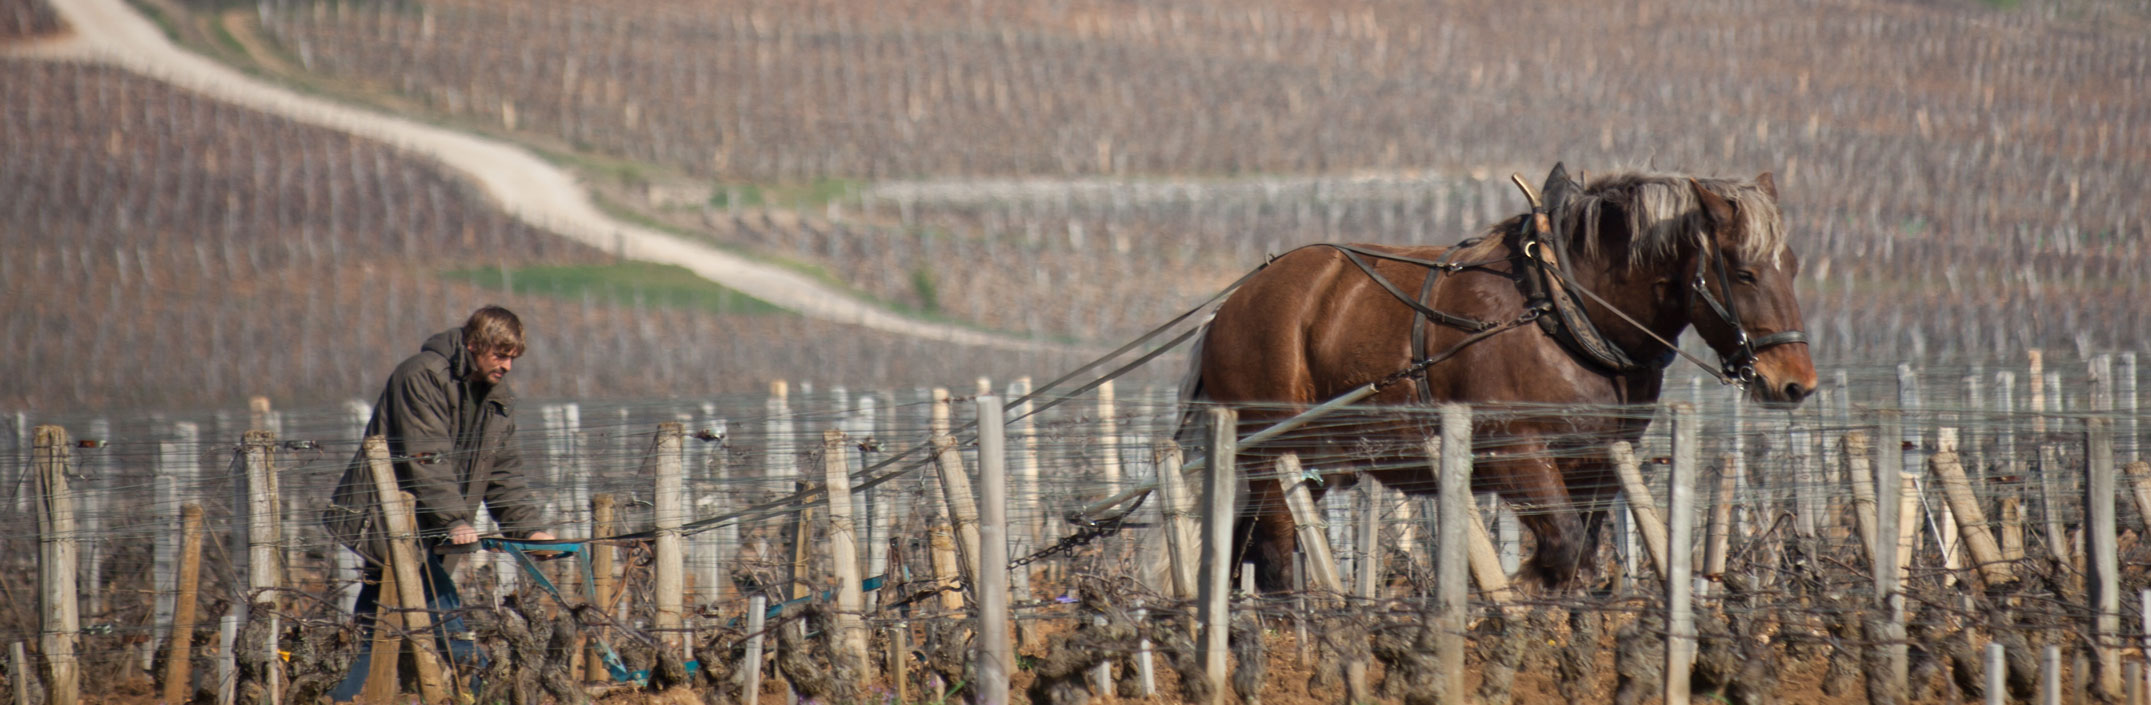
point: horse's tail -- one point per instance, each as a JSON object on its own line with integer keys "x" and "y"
{"x": 1191, "y": 390}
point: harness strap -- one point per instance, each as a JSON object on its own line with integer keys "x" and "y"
{"x": 1647, "y": 331}
{"x": 1448, "y": 319}
{"x": 1419, "y": 323}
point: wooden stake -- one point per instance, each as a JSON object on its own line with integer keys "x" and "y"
{"x": 670, "y": 512}
{"x": 398, "y": 506}
{"x": 1370, "y": 543}
{"x": 2100, "y": 549}
{"x": 941, "y": 536}
{"x": 1181, "y": 539}
{"x": 382, "y": 681}
{"x": 996, "y": 659}
{"x": 60, "y": 623}
{"x": 1860, "y": 474}
{"x": 803, "y": 551}
{"x": 1971, "y": 518}
{"x": 601, "y": 569}
{"x": 264, "y": 558}
{"x": 2139, "y": 473}
{"x": 899, "y": 662}
{"x": 1641, "y": 504}
{"x": 1218, "y": 516}
{"x": 178, "y": 664}
{"x": 2012, "y": 529}
{"x": 1718, "y": 533}
{"x": 21, "y": 664}
{"x": 1313, "y": 528}
{"x": 1452, "y": 458}
{"x": 1997, "y": 674}
{"x": 844, "y": 548}
{"x": 1680, "y": 620}
{"x": 962, "y": 505}
{"x": 1109, "y": 469}
{"x": 751, "y": 662}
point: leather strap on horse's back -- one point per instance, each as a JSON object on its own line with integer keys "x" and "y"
{"x": 1422, "y": 310}
{"x": 1448, "y": 319}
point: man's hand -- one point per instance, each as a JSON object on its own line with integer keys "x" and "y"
{"x": 540, "y": 536}
{"x": 462, "y": 534}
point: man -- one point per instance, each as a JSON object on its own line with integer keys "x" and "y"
{"x": 449, "y": 417}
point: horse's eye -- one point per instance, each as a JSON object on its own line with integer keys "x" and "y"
{"x": 1745, "y": 276}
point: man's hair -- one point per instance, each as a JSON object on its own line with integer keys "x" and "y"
{"x": 494, "y": 330}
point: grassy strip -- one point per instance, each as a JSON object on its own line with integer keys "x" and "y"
{"x": 625, "y": 283}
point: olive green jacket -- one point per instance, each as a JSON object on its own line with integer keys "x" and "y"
{"x": 450, "y": 457}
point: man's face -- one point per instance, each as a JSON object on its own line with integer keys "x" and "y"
{"x": 493, "y": 365}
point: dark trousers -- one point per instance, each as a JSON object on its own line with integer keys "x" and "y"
{"x": 448, "y": 632}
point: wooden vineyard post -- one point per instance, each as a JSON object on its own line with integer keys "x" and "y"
{"x": 227, "y": 662}
{"x": 1971, "y": 517}
{"x": 1859, "y": 473}
{"x": 1218, "y": 515}
{"x": 601, "y": 579}
{"x": 1640, "y": 504}
{"x": 1486, "y": 569}
{"x": 59, "y": 621}
{"x": 381, "y": 677}
{"x": 20, "y": 663}
{"x": 751, "y": 663}
{"x": 179, "y": 664}
{"x": 1031, "y": 508}
{"x": 264, "y": 558}
{"x": 1312, "y": 527}
{"x": 1889, "y": 486}
{"x": 1807, "y": 490}
{"x": 844, "y": 549}
{"x": 1370, "y": 544}
{"x": 404, "y": 560}
{"x": 2012, "y": 529}
{"x": 2139, "y": 474}
{"x": 1180, "y": 537}
{"x": 2100, "y": 550}
{"x": 1452, "y": 458}
{"x": 1680, "y": 620}
{"x": 1717, "y": 532}
{"x": 941, "y": 536}
{"x": 996, "y": 657}
{"x": 962, "y": 505}
{"x": 1997, "y": 674}
{"x": 670, "y": 512}
{"x": 1109, "y": 470}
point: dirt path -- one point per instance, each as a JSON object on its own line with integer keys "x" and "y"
{"x": 536, "y": 192}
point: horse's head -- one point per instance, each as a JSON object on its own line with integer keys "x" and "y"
{"x": 1738, "y": 280}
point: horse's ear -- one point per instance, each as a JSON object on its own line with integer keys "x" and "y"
{"x": 1768, "y": 184}
{"x": 1714, "y": 205}
{"x": 1559, "y": 187}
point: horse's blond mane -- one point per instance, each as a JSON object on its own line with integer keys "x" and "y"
{"x": 1662, "y": 208}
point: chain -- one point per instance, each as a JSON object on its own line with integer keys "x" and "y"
{"x": 1070, "y": 542}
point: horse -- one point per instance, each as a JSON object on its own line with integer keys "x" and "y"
{"x": 1573, "y": 305}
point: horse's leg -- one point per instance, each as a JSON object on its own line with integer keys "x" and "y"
{"x": 1534, "y": 487}
{"x": 1591, "y": 489}
{"x": 1264, "y": 534}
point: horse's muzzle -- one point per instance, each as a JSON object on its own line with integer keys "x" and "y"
{"x": 1784, "y": 377}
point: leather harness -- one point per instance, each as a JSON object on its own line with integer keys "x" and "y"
{"x": 1550, "y": 298}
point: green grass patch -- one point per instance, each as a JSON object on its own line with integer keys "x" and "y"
{"x": 626, "y": 283}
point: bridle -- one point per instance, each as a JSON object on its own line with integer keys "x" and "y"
{"x": 1739, "y": 363}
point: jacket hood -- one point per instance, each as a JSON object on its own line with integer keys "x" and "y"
{"x": 449, "y": 345}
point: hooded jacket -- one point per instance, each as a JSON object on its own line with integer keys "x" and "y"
{"x": 452, "y": 452}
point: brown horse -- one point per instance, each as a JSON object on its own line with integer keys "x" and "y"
{"x": 1667, "y": 251}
